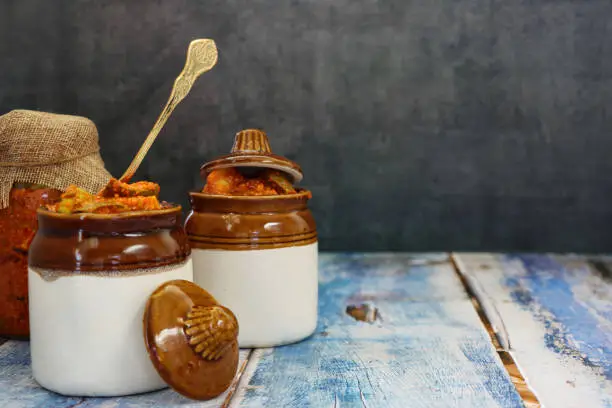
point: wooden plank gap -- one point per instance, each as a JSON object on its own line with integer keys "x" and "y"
{"x": 236, "y": 382}
{"x": 528, "y": 396}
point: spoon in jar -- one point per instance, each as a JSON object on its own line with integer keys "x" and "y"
{"x": 201, "y": 57}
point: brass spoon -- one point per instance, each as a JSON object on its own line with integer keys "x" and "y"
{"x": 201, "y": 57}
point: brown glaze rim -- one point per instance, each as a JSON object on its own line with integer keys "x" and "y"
{"x": 131, "y": 221}
{"x": 254, "y": 160}
{"x": 60, "y": 237}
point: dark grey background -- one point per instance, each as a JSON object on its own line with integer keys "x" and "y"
{"x": 420, "y": 125}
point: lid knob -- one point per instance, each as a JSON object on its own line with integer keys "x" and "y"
{"x": 251, "y": 141}
{"x": 191, "y": 339}
{"x": 211, "y": 330}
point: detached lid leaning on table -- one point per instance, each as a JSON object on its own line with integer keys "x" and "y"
{"x": 192, "y": 340}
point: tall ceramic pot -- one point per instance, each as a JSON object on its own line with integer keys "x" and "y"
{"x": 258, "y": 254}
{"x": 89, "y": 279}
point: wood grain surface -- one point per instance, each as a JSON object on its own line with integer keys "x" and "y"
{"x": 424, "y": 346}
{"x": 553, "y": 314}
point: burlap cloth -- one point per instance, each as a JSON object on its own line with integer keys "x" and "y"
{"x": 49, "y": 149}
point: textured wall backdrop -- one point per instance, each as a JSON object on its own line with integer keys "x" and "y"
{"x": 420, "y": 125}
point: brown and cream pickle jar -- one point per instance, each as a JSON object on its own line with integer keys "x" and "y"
{"x": 89, "y": 279}
{"x": 114, "y": 311}
{"x": 257, "y": 254}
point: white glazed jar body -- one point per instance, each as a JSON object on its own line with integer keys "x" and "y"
{"x": 88, "y": 287}
{"x": 258, "y": 256}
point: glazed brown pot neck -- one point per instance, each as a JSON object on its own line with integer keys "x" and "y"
{"x": 248, "y": 223}
{"x": 122, "y": 242}
{"x": 201, "y": 202}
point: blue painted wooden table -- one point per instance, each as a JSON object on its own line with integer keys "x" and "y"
{"x": 413, "y": 330}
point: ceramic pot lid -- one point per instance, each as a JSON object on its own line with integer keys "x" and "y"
{"x": 252, "y": 149}
{"x": 191, "y": 339}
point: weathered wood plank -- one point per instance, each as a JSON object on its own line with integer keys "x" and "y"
{"x": 425, "y": 348}
{"x": 18, "y": 388}
{"x": 554, "y": 315}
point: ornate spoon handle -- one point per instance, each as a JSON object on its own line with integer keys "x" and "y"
{"x": 201, "y": 57}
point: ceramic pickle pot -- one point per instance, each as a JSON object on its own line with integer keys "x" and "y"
{"x": 257, "y": 254}
{"x": 89, "y": 279}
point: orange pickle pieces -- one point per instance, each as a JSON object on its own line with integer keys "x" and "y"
{"x": 231, "y": 181}
{"x": 115, "y": 198}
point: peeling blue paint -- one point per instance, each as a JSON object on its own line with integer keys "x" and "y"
{"x": 571, "y": 329}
